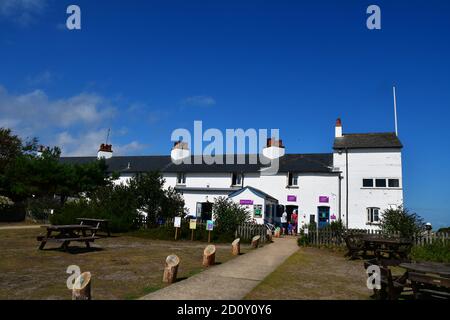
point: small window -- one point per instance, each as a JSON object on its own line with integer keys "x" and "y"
{"x": 394, "y": 183}
{"x": 368, "y": 183}
{"x": 373, "y": 215}
{"x": 380, "y": 183}
{"x": 292, "y": 179}
{"x": 236, "y": 179}
{"x": 181, "y": 178}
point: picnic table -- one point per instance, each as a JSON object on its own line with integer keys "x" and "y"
{"x": 393, "y": 246}
{"x": 66, "y": 234}
{"x": 361, "y": 243}
{"x": 429, "y": 279}
{"x": 97, "y": 224}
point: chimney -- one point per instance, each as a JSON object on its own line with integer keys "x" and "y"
{"x": 274, "y": 149}
{"x": 179, "y": 152}
{"x": 338, "y": 128}
{"x": 105, "y": 151}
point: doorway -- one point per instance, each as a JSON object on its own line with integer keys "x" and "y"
{"x": 324, "y": 216}
{"x": 204, "y": 210}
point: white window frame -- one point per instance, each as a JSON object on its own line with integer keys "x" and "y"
{"x": 374, "y": 179}
{"x": 371, "y": 214}
{"x": 181, "y": 178}
{"x": 294, "y": 180}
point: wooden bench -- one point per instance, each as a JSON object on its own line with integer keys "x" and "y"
{"x": 66, "y": 234}
{"x": 428, "y": 286}
{"x": 391, "y": 286}
{"x": 96, "y": 224}
{"x": 354, "y": 246}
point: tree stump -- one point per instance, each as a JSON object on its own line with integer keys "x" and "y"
{"x": 209, "y": 255}
{"x": 236, "y": 247}
{"x": 82, "y": 287}
{"x": 255, "y": 241}
{"x": 269, "y": 235}
{"x": 171, "y": 269}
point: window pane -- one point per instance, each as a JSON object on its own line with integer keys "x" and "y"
{"x": 294, "y": 180}
{"x": 233, "y": 179}
{"x": 394, "y": 183}
{"x": 289, "y": 179}
{"x": 367, "y": 182}
{"x": 375, "y": 215}
{"x": 380, "y": 183}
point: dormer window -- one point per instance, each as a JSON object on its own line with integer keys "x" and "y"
{"x": 292, "y": 180}
{"x": 181, "y": 178}
{"x": 236, "y": 179}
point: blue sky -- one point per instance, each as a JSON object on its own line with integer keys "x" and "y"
{"x": 145, "y": 68}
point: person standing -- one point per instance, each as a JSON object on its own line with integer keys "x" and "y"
{"x": 294, "y": 221}
{"x": 284, "y": 221}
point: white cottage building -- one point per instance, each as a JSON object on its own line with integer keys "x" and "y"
{"x": 355, "y": 183}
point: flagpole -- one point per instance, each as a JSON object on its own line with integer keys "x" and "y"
{"x": 395, "y": 110}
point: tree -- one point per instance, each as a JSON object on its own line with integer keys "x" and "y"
{"x": 229, "y": 215}
{"x": 153, "y": 199}
{"x": 402, "y": 221}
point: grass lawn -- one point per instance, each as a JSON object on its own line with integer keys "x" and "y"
{"x": 122, "y": 267}
{"x": 313, "y": 273}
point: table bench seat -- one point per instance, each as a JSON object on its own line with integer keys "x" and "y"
{"x": 81, "y": 239}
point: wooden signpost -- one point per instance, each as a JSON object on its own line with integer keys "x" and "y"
{"x": 177, "y": 225}
{"x": 209, "y": 228}
{"x": 192, "y": 226}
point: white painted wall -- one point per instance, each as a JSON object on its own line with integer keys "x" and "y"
{"x": 369, "y": 163}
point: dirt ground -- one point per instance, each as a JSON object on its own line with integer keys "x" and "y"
{"x": 313, "y": 273}
{"x": 122, "y": 267}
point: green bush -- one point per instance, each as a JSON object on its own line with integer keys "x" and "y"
{"x": 40, "y": 208}
{"x": 401, "y": 221}
{"x": 228, "y": 215}
{"x": 438, "y": 251}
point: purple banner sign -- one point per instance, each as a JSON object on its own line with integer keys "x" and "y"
{"x": 333, "y": 217}
{"x": 246, "y": 202}
{"x": 292, "y": 198}
{"x": 324, "y": 199}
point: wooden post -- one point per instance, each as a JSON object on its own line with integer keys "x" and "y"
{"x": 176, "y": 233}
{"x": 171, "y": 269}
{"x": 82, "y": 287}
{"x": 255, "y": 241}
{"x": 209, "y": 236}
{"x": 209, "y": 255}
{"x": 192, "y": 234}
{"x": 236, "y": 247}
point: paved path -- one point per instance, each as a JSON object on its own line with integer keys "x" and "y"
{"x": 233, "y": 279}
{"x": 19, "y": 227}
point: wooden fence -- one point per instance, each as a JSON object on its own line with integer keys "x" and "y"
{"x": 245, "y": 231}
{"x": 332, "y": 238}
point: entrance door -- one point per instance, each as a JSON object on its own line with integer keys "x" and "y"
{"x": 206, "y": 211}
{"x": 289, "y": 210}
{"x": 324, "y": 216}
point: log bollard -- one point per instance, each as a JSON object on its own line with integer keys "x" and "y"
{"x": 171, "y": 269}
{"x": 255, "y": 241}
{"x": 209, "y": 255}
{"x": 82, "y": 287}
{"x": 236, "y": 247}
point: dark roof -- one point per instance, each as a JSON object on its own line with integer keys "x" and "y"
{"x": 258, "y": 192}
{"x": 313, "y": 163}
{"x": 367, "y": 140}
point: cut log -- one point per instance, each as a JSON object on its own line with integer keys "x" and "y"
{"x": 209, "y": 255}
{"x": 269, "y": 236}
{"x": 171, "y": 269}
{"x": 255, "y": 241}
{"x": 82, "y": 287}
{"x": 236, "y": 247}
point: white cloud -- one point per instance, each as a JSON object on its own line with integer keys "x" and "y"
{"x": 77, "y": 124}
{"x": 34, "y": 110}
{"x": 87, "y": 144}
{"x": 40, "y": 79}
{"x": 200, "y": 101}
{"x": 23, "y": 12}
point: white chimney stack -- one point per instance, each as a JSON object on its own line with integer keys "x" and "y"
{"x": 105, "y": 151}
{"x": 180, "y": 152}
{"x": 274, "y": 149}
{"x": 338, "y": 128}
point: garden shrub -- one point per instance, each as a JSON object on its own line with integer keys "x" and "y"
{"x": 438, "y": 251}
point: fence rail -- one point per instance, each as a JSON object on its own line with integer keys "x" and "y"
{"x": 333, "y": 238}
